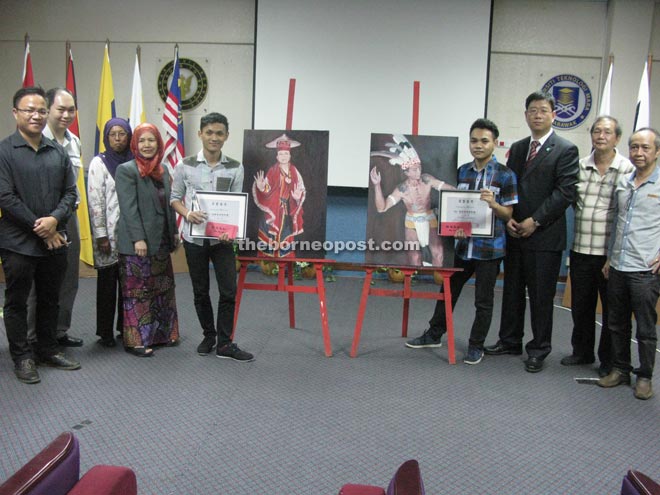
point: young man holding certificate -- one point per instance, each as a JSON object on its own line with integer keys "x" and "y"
{"x": 210, "y": 170}
{"x": 479, "y": 256}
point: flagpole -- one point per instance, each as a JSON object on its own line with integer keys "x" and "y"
{"x": 67, "y": 50}
{"x": 650, "y": 64}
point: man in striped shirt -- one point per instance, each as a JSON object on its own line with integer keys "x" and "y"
{"x": 594, "y": 212}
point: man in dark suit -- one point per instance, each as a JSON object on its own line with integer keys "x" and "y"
{"x": 546, "y": 167}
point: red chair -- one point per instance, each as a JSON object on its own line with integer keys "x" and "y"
{"x": 406, "y": 481}
{"x": 56, "y": 471}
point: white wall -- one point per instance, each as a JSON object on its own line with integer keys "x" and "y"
{"x": 530, "y": 42}
{"x": 533, "y": 41}
{"x": 218, "y": 34}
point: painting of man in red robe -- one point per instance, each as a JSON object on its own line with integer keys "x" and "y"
{"x": 286, "y": 177}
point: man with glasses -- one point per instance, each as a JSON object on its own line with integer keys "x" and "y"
{"x": 633, "y": 265}
{"x": 599, "y": 174}
{"x": 37, "y": 198}
{"x": 546, "y": 167}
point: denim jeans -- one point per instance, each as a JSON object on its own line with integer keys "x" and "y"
{"x": 587, "y": 281}
{"x": 486, "y": 272}
{"x": 633, "y": 293}
{"x": 224, "y": 265}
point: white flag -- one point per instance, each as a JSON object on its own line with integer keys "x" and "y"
{"x": 605, "y": 100}
{"x": 136, "y": 114}
{"x": 642, "y": 112}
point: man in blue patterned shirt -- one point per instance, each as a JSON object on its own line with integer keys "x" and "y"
{"x": 479, "y": 256}
{"x": 633, "y": 265}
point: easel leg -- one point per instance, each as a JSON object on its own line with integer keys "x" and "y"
{"x": 449, "y": 318}
{"x": 320, "y": 288}
{"x": 292, "y": 308}
{"x": 360, "y": 317}
{"x": 239, "y": 294}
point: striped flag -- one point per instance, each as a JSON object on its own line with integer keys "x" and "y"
{"x": 85, "y": 230}
{"x": 642, "y": 112}
{"x": 173, "y": 119}
{"x": 106, "y": 107}
{"x": 605, "y": 100}
{"x": 136, "y": 115}
{"x": 28, "y": 75}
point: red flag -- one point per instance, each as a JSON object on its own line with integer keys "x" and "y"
{"x": 173, "y": 119}
{"x": 28, "y": 75}
{"x": 71, "y": 86}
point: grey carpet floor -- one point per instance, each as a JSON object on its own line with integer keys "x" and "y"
{"x": 296, "y": 422}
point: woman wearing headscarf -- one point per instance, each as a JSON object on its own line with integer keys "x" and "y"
{"x": 104, "y": 215}
{"x": 147, "y": 234}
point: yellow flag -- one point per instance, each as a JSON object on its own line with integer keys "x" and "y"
{"x": 106, "y": 108}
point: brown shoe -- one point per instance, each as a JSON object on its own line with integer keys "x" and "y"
{"x": 643, "y": 389}
{"x": 615, "y": 378}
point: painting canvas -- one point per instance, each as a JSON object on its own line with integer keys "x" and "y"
{"x": 286, "y": 177}
{"x": 406, "y": 173}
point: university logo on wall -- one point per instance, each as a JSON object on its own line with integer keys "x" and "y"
{"x": 194, "y": 83}
{"x": 572, "y": 100}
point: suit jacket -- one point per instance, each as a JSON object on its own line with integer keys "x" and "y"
{"x": 546, "y": 187}
{"x": 141, "y": 215}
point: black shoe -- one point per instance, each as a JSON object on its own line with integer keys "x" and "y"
{"x": 60, "y": 361}
{"x": 231, "y": 351}
{"x": 425, "y": 340}
{"x": 499, "y": 348}
{"x": 206, "y": 346}
{"x": 534, "y": 365}
{"x": 67, "y": 341}
{"x": 574, "y": 360}
{"x": 26, "y": 371}
{"x": 107, "y": 342}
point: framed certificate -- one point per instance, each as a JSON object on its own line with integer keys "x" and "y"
{"x": 464, "y": 209}
{"x": 226, "y": 214}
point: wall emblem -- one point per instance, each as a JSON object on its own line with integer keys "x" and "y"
{"x": 573, "y": 100}
{"x": 193, "y": 80}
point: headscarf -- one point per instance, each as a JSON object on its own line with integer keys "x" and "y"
{"x": 110, "y": 157}
{"x": 148, "y": 166}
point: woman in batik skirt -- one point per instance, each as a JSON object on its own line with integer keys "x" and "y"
{"x": 147, "y": 234}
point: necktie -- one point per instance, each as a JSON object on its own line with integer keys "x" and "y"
{"x": 534, "y": 147}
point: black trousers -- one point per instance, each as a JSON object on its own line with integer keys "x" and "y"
{"x": 47, "y": 274}
{"x": 587, "y": 281}
{"x": 224, "y": 265}
{"x": 537, "y": 272}
{"x": 108, "y": 299}
{"x": 485, "y": 272}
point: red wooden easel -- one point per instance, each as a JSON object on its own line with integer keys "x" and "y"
{"x": 286, "y": 266}
{"x": 407, "y": 294}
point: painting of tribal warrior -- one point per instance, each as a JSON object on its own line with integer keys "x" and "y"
{"x": 405, "y": 175}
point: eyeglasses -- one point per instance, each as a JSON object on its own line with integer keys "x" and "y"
{"x": 542, "y": 111}
{"x": 118, "y": 135}
{"x": 42, "y": 112}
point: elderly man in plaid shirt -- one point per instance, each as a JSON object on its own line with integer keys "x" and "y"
{"x": 599, "y": 174}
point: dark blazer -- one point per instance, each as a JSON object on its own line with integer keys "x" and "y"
{"x": 546, "y": 187}
{"x": 141, "y": 215}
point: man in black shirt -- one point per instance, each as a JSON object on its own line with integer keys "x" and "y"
{"x": 37, "y": 197}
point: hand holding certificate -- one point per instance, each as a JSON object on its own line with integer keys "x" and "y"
{"x": 465, "y": 210}
{"x": 224, "y": 215}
